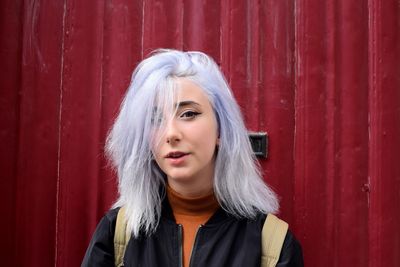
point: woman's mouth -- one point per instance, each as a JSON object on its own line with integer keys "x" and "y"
{"x": 176, "y": 158}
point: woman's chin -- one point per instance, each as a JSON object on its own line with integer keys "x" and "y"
{"x": 179, "y": 178}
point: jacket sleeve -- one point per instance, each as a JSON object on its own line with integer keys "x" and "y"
{"x": 100, "y": 251}
{"x": 291, "y": 254}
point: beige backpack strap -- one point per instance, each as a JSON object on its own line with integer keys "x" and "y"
{"x": 272, "y": 237}
{"x": 121, "y": 238}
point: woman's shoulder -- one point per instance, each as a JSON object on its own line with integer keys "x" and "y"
{"x": 108, "y": 221}
{"x": 111, "y": 215}
{"x": 100, "y": 251}
{"x": 291, "y": 253}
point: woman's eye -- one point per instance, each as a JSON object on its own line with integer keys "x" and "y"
{"x": 189, "y": 114}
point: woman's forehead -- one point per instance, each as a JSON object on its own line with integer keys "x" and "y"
{"x": 190, "y": 92}
{"x": 185, "y": 93}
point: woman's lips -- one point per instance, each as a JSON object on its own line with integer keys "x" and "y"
{"x": 175, "y": 154}
{"x": 177, "y": 159}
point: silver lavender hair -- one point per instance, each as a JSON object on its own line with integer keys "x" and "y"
{"x": 238, "y": 184}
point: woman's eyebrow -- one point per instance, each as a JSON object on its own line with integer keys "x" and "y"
{"x": 179, "y": 105}
{"x": 186, "y": 103}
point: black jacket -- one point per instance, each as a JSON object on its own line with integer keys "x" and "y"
{"x": 222, "y": 241}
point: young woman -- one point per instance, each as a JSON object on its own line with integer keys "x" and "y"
{"x": 188, "y": 180}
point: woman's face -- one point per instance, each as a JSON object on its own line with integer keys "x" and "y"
{"x": 186, "y": 152}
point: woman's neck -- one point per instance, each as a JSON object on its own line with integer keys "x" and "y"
{"x": 204, "y": 205}
{"x": 190, "y": 189}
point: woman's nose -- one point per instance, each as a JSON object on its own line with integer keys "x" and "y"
{"x": 172, "y": 132}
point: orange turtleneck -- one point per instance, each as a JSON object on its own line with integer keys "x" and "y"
{"x": 191, "y": 213}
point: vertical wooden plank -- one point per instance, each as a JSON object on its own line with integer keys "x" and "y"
{"x": 162, "y": 25}
{"x": 80, "y": 125}
{"x": 38, "y": 134}
{"x": 234, "y": 60}
{"x": 201, "y": 24}
{"x": 310, "y": 156}
{"x": 273, "y": 77}
{"x": 384, "y": 105}
{"x": 254, "y": 64}
{"x": 331, "y": 140}
{"x": 225, "y": 50}
{"x": 351, "y": 74}
{"x": 10, "y": 71}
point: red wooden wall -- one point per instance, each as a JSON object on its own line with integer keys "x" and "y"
{"x": 321, "y": 77}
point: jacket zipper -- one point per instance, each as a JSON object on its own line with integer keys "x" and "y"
{"x": 195, "y": 244}
{"x": 180, "y": 245}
